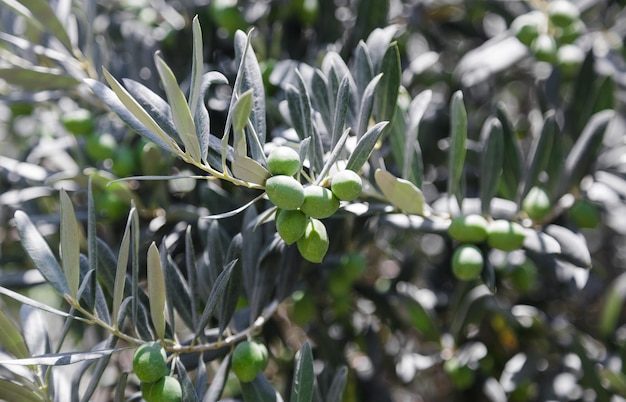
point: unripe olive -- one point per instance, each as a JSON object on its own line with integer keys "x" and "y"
{"x": 167, "y": 389}
{"x": 468, "y": 228}
{"x": 585, "y": 214}
{"x": 100, "y": 146}
{"x": 529, "y": 26}
{"x": 284, "y": 191}
{"x": 537, "y": 203}
{"x": 462, "y": 377}
{"x": 249, "y": 358}
{"x": 467, "y": 262}
{"x": 562, "y": 13}
{"x": 78, "y": 122}
{"x": 346, "y": 185}
{"x": 149, "y": 362}
{"x": 319, "y": 202}
{"x": 544, "y": 48}
{"x": 283, "y": 160}
{"x": 505, "y": 235}
{"x": 313, "y": 245}
{"x": 291, "y": 225}
{"x": 570, "y": 57}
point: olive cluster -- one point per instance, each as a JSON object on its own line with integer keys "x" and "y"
{"x": 150, "y": 366}
{"x": 300, "y": 208}
{"x": 249, "y": 359}
{"x": 468, "y": 259}
{"x": 550, "y": 34}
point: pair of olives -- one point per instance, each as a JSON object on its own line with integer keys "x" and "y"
{"x": 150, "y": 366}
{"x": 300, "y": 208}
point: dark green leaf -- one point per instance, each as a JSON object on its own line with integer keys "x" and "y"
{"x": 259, "y": 390}
{"x": 119, "y": 286}
{"x": 364, "y": 70}
{"x": 370, "y": 14}
{"x": 413, "y": 306}
{"x": 582, "y": 95}
{"x": 92, "y": 236}
{"x": 491, "y": 161}
{"x": 178, "y": 291}
{"x": 70, "y": 244}
{"x": 584, "y": 151}
{"x": 214, "y": 393}
{"x": 215, "y": 296}
{"x": 458, "y": 139}
{"x": 192, "y": 274}
{"x": 378, "y": 43}
{"x": 197, "y": 67}
{"x": 540, "y": 151}
{"x": 367, "y": 104}
{"x": 365, "y": 146}
{"x": 189, "y": 393}
{"x": 44, "y": 14}
{"x": 341, "y": 110}
{"x": 156, "y": 290}
{"x": 338, "y": 385}
{"x": 120, "y": 389}
{"x": 304, "y": 377}
{"x": 613, "y": 302}
{"x": 241, "y": 113}
{"x": 416, "y": 111}
{"x": 40, "y": 253}
{"x": 387, "y": 94}
{"x": 319, "y": 96}
{"x": 511, "y": 159}
{"x": 573, "y": 246}
{"x": 16, "y": 392}
{"x": 210, "y": 145}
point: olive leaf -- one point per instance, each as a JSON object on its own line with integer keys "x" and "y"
{"x": 401, "y": 193}
{"x": 70, "y": 244}
{"x": 156, "y": 290}
{"x": 304, "y": 377}
{"x": 458, "y": 140}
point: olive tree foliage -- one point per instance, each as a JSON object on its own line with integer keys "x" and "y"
{"x": 377, "y": 288}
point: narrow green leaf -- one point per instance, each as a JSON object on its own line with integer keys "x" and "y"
{"x": 364, "y": 69}
{"x": 584, "y": 151}
{"x": 512, "y": 157}
{"x": 197, "y": 67}
{"x": 304, "y": 376}
{"x": 417, "y": 108}
{"x": 538, "y": 156}
{"x": 37, "y": 78}
{"x": 367, "y": 104}
{"x": 249, "y": 170}
{"x": 387, "y": 94}
{"x": 122, "y": 267}
{"x": 62, "y": 359}
{"x": 178, "y": 291}
{"x": 16, "y": 392}
{"x": 259, "y": 390}
{"x": 189, "y": 393}
{"x": 241, "y": 114}
{"x": 42, "y": 306}
{"x": 365, "y": 146}
{"x": 214, "y": 297}
{"x": 338, "y": 385}
{"x": 613, "y": 302}
{"x": 40, "y": 253}
{"x": 92, "y": 236}
{"x": 180, "y": 110}
{"x": 341, "y": 109}
{"x": 192, "y": 274}
{"x": 458, "y": 139}
{"x": 136, "y": 111}
{"x": 214, "y": 393}
{"x": 10, "y": 337}
{"x": 334, "y": 155}
{"x": 45, "y": 15}
{"x": 120, "y": 389}
{"x": 70, "y": 243}
{"x": 401, "y": 193}
{"x": 319, "y": 95}
{"x": 156, "y": 290}
{"x": 491, "y": 161}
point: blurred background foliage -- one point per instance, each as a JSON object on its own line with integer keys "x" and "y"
{"x": 384, "y": 302}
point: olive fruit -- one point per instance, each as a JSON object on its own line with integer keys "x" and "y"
{"x": 468, "y": 228}
{"x": 101, "y": 146}
{"x": 149, "y": 362}
{"x": 284, "y": 191}
{"x": 467, "y": 262}
{"x": 290, "y": 225}
{"x": 537, "y": 203}
{"x": 544, "y": 48}
{"x": 528, "y": 27}
{"x": 562, "y": 13}
{"x": 346, "y": 185}
{"x": 461, "y": 376}
{"x": 585, "y": 214}
{"x": 313, "y": 245}
{"x": 249, "y": 358}
{"x": 505, "y": 235}
{"x": 78, "y": 121}
{"x": 570, "y": 57}
{"x": 319, "y": 202}
{"x": 167, "y": 389}
{"x": 283, "y": 160}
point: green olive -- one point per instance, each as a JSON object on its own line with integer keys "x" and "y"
{"x": 150, "y": 362}
{"x": 527, "y": 27}
{"x": 505, "y": 235}
{"x": 313, "y": 245}
{"x": 562, "y": 13}
{"x": 100, "y": 146}
{"x": 249, "y": 358}
{"x": 585, "y": 214}
{"x": 537, "y": 203}
{"x": 544, "y": 48}
{"x": 78, "y": 122}
{"x": 167, "y": 389}
{"x": 468, "y": 228}
{"x": 467, "y": 262}
{"x": 283, "y": 160}
{"x": 346, "y": 185}
{"x": 291, "y": 225}
{"x": 319, "y": 202}
{"x": 462, "y": 377}
{"x": 285, "y": 192}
